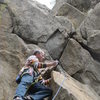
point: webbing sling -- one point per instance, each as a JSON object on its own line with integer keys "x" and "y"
{"x": 24, "y": 74}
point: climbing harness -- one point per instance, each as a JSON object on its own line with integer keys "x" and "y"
{"x": 18, "y": 78}
{"x": 59, "y": 88}
{"x": 26, "y": 71}
{"x": 36, "y": 80}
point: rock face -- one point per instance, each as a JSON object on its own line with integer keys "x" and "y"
{"x": 57, "y": 42}
{"x": 80, "y": 4}
{"x": 92, "y": 21}
{"x": 75, "y": 58}
{"x": 26, "y": 25}
{"x": 93, "y": 41}
{"x": 90, "y": 29}
{"x": 54, "y": 46}
{"x": 76, "y": 90}
{"x": 31, "y": 21}
{"x": 5, "y": 20}
{"x": 12, "y": 50}
{"x": 8, "y": 70}
{"x": 65, "y": 9}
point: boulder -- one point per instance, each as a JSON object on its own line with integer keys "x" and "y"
{"x": 17, "y": 47}
{"x": 91, "y": 22}
{"x": 82, "y": 5}
{"x": 71, "y": 89}
{"x": 57, "y": 41}
{"x": 31, "y": 20}
{"x": 65, "y": 9}
{"x": 12, "y": 57}
{"x": 90, "y": 76}
{"x": 93, "y": 41}
{"x": 79, "y": 63}
{"x": 56, "y": 44}
{"x": 13, "y": 51}
{"x": 7, "y": 76}
{"x": 89, "y": 29}
{"x": 65, "y": 22}
{"x": 75, "y": 58}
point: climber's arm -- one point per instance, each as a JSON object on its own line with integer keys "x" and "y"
{"x": 42, "y": 65}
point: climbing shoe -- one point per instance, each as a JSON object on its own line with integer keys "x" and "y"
{"x": 17, "y": 98}
{"x": 27, "y": 98}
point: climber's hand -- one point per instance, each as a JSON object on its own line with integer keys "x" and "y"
{"x": 55, "y": 63}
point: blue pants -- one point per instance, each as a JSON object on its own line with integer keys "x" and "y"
{"x": 39, "y": 91}
{"x": 36, "y": 91}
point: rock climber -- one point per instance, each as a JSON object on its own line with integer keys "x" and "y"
{"x": 30, "y": 83}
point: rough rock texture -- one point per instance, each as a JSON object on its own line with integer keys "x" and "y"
{"x": 90, "y": 29}
{"x": 57, "y": 41}
{"x": 31, "y": 21}
{"x": 64, "y": 21}
{"x": 56, "y": 44}
{"x": 5, "y": 20}
{"x": 13, "y": 52}
{"x": 76, "y": 59}
{"x": 76, "y": 90}
{"x": 33, "y": 24}
{"x": 9, "y": 67}
{"x": 94, "y": 42}
{"x": 26, "y": 25}
{"x": 91, "y": 22}
{"x": 90, "y": 77}
{"x": 82, "y": 5}
{"x": 65, "y": 9}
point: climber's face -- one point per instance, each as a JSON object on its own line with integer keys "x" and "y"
{"x": 41, "y": 56}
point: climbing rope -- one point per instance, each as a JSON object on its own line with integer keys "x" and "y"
{"x": 59, "y": 88}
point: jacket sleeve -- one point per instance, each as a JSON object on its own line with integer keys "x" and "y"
{"x": 39, "y": 65}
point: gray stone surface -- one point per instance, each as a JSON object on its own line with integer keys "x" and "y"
{"x": 91, "y": 22}
{"x": 93, "y": 41}
{"x": 34, "y": 24}
{"x": 72, "y": 89}
{"x": 90, "y": 76}
{"x": 56, "y": 44}
{"x": 31, "y": 21}
{"x": 90, "y": 29}
{"x": 82, "y": 5}
{"x": 74, "y": 58}
{"x": 65, "y": 9}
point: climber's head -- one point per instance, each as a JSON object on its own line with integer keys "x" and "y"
{"x": 40, "y": 55}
